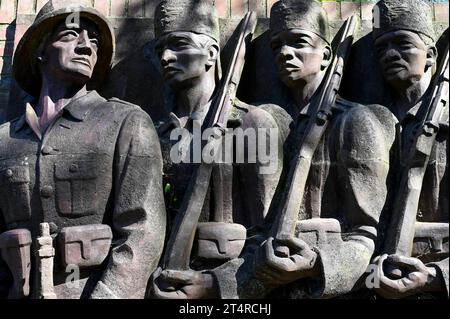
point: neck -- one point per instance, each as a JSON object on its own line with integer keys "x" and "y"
{"x": 409, "y": 94}
{"x": 305, "y": 89}
{"x": 54, "y": 96}
{"x": 191, "y": 98}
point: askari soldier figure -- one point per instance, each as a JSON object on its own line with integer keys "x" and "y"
{"x": 404, "y": 39}
{"x": 187, "y": 43}
{"x": 88, "y": 169}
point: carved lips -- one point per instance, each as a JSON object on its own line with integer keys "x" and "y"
{"x": 84, "y": 61}
{"x": 394, "y": 67}
{"x": 169, "y": 71}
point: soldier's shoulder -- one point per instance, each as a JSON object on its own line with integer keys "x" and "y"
{"x": 266, "y": 110}
{"x": 6, "y": 125}
{"x": 122, "y": 103}
{"x": 369, "y": 118}
{"x": 125, "y": 109}
{"x": 355, "y": 110}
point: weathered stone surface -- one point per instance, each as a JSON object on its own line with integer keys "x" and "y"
{"x": 359, "y": 186}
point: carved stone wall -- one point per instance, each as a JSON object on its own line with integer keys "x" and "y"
{"x": 135, "y": 74}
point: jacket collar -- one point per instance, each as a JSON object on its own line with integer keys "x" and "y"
{"x": 78, "y": 109}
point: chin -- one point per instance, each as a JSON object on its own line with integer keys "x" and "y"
{"x": 395, "y": 79}
{"x": 290, "y": 80}
{"x": 177, "y": 83}
{"x": 80, "y": 78}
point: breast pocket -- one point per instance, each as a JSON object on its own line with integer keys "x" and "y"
{"x": 76, "y": 188}
{"x": 15, "y": 194}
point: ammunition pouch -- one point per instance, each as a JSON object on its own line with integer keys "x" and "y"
{"x": 220, "y": 241}
{"x": 318, "y": 231}
{"x": 430, "y": 241}
{"x": 85, "y": 246}
{"x": 15, "y": 248}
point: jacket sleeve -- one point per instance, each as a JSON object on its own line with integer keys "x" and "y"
{"x": 139, "y": 217}
{"x": 271, "y": 124}
{"x": 366, "y": 135}
{"x": 442, "y": 267}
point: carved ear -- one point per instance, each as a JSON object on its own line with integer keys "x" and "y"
{"x": 213, "y": 52}
{"x": 431, "y": 56}
{"x": 327, "y": 57}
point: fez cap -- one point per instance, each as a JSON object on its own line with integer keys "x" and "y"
{"x": 300, "y": 14}
{"x": 198, "y": 16}
{"x": 411, "y": 15}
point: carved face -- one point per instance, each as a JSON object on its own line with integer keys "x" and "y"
{"x": 71, "y": 52}
{"x": 185, "y": 57}
{"x": 402, "y": 56}
{"x": 299, "y": 55}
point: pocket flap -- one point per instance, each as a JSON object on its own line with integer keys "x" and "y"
{"x": 15, "y": 174}
{"x": 82, "y": 170}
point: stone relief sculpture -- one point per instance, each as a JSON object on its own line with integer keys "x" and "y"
{"x": 318, "y": 198}
{"x": 80, "y": 176}
{"x": 336, "y": 222}
{"x": 414, "y": 258}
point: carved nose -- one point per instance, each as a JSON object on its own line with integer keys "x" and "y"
{"x": 286, "y": 53}
{"x": 167, "y": 57}
{"x": 83, "y": 46}
{"x": 391, "y": 55}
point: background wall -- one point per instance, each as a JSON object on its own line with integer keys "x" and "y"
{"x": 135, "y": 72}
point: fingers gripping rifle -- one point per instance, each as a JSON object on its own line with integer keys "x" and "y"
{"x": 284, "y": 227}
{"x": 179, "y": 247}
{"x": 400, "y": 235}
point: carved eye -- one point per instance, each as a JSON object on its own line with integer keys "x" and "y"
{"x": 406, "y": 45}
{"x": 68, "y": 35}
{"x": 182, "y": 44}
{"x": 301, "y": 43}
{"x": 276, "y": 46}
{"x": 95, "y": 42}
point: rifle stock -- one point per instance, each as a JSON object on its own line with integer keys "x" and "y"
{"x": 179, "y": 247}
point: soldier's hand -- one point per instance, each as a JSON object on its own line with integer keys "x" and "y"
{"x": 190, "y": 284}
{"x": 413, "y": 279}
{"x": 283, "y": 262}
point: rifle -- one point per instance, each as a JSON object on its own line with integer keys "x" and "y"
{"x": 400, "y": 235}
{"x": 179, "y": 246}
{"x": 45, "y": 255}
{"x": 284, "y": 226}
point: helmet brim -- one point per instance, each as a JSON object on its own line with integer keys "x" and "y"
{"x": 25, "y": 63}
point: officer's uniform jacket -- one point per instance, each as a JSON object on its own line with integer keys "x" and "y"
{"x": 98, "y": 163}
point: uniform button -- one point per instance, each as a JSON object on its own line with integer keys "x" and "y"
{"x": 9, "y": 173}
{"x": 73, "y": 168}
{"x": 47, "y": 191}
{"x": 47, "y": 150}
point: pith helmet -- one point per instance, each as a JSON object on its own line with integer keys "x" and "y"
{"x": 25, "y": 66}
